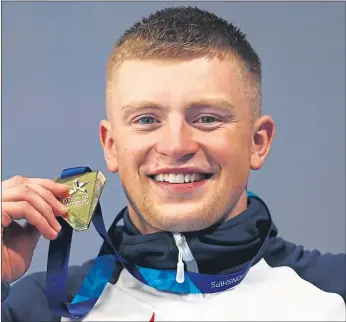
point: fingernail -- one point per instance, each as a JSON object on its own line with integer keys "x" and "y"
{"x": 65, "y": 214}
{"x": 58, "y": 228}
{"x": 65, "y": 186}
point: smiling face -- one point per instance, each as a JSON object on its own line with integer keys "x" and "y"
{"x": 181, "y": 136}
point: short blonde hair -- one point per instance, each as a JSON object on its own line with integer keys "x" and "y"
{"x": 189, "y": 32}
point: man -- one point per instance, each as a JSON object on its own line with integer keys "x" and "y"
{"x": 184, "y": 128}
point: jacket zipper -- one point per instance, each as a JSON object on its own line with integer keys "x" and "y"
{"x": 184, "y": 255}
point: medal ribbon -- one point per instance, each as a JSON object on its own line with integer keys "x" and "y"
{"x": 104, "y": 265}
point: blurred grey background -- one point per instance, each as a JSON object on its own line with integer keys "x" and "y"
{"x": 53, "y": 72}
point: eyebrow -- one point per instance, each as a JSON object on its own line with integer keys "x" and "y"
{"x": 213, "y": 102}
{"x": 128, "y": 109}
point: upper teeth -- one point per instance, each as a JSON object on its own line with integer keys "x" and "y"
{"x": 179, "y": 177}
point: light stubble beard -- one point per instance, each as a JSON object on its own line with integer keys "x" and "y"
{"x": 149, "y": 220}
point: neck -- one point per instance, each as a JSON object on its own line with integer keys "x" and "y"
{"x": 145, "y": 228}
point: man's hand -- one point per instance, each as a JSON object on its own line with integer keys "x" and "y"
{"x": 36, "y": 201}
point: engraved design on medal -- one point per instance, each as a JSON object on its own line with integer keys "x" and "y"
{"x": 78, "y": 187}
{"x": 78, "y": 195}
{"x": 85, "y": 191}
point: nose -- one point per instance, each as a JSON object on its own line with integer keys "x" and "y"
{"x": 176, "y": 139}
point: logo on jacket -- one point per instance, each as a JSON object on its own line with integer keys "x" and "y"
{"x": 227, "y": 282}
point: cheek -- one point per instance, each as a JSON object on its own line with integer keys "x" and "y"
{"x": 229, "y": 148}
{"x": 131, "y": 154}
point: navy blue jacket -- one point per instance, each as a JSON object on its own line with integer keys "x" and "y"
{"x": 221, "y": 249}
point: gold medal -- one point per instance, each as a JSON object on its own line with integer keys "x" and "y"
{"x": 85, "y": 191}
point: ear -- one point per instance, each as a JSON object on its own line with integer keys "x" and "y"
{"x": 108, "y": 145}
{"x": 263, "y": 135}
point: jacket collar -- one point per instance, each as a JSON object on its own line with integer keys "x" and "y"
{"x": 221, "y": 249}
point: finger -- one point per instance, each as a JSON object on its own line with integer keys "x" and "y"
{"x": 58, "y": 207}
{"x": 12, "y": 182}
{"x": 23, "y": 209}
{"x": 6, "y": 220}
{"x": 25, "y": 193}
{"x": 59, "y": 190}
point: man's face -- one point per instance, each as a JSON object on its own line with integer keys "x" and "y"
{"x": 181, "y": 137}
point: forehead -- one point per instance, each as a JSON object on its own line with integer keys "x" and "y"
{"x": 177, "y": 83}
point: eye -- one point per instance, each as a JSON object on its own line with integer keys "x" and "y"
{"x": 146, "y": 120}
{"x": 207, "y": 119}
{"x": 146, "y": 123}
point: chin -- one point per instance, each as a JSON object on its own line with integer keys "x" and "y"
{"x": 182, "y": 218}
